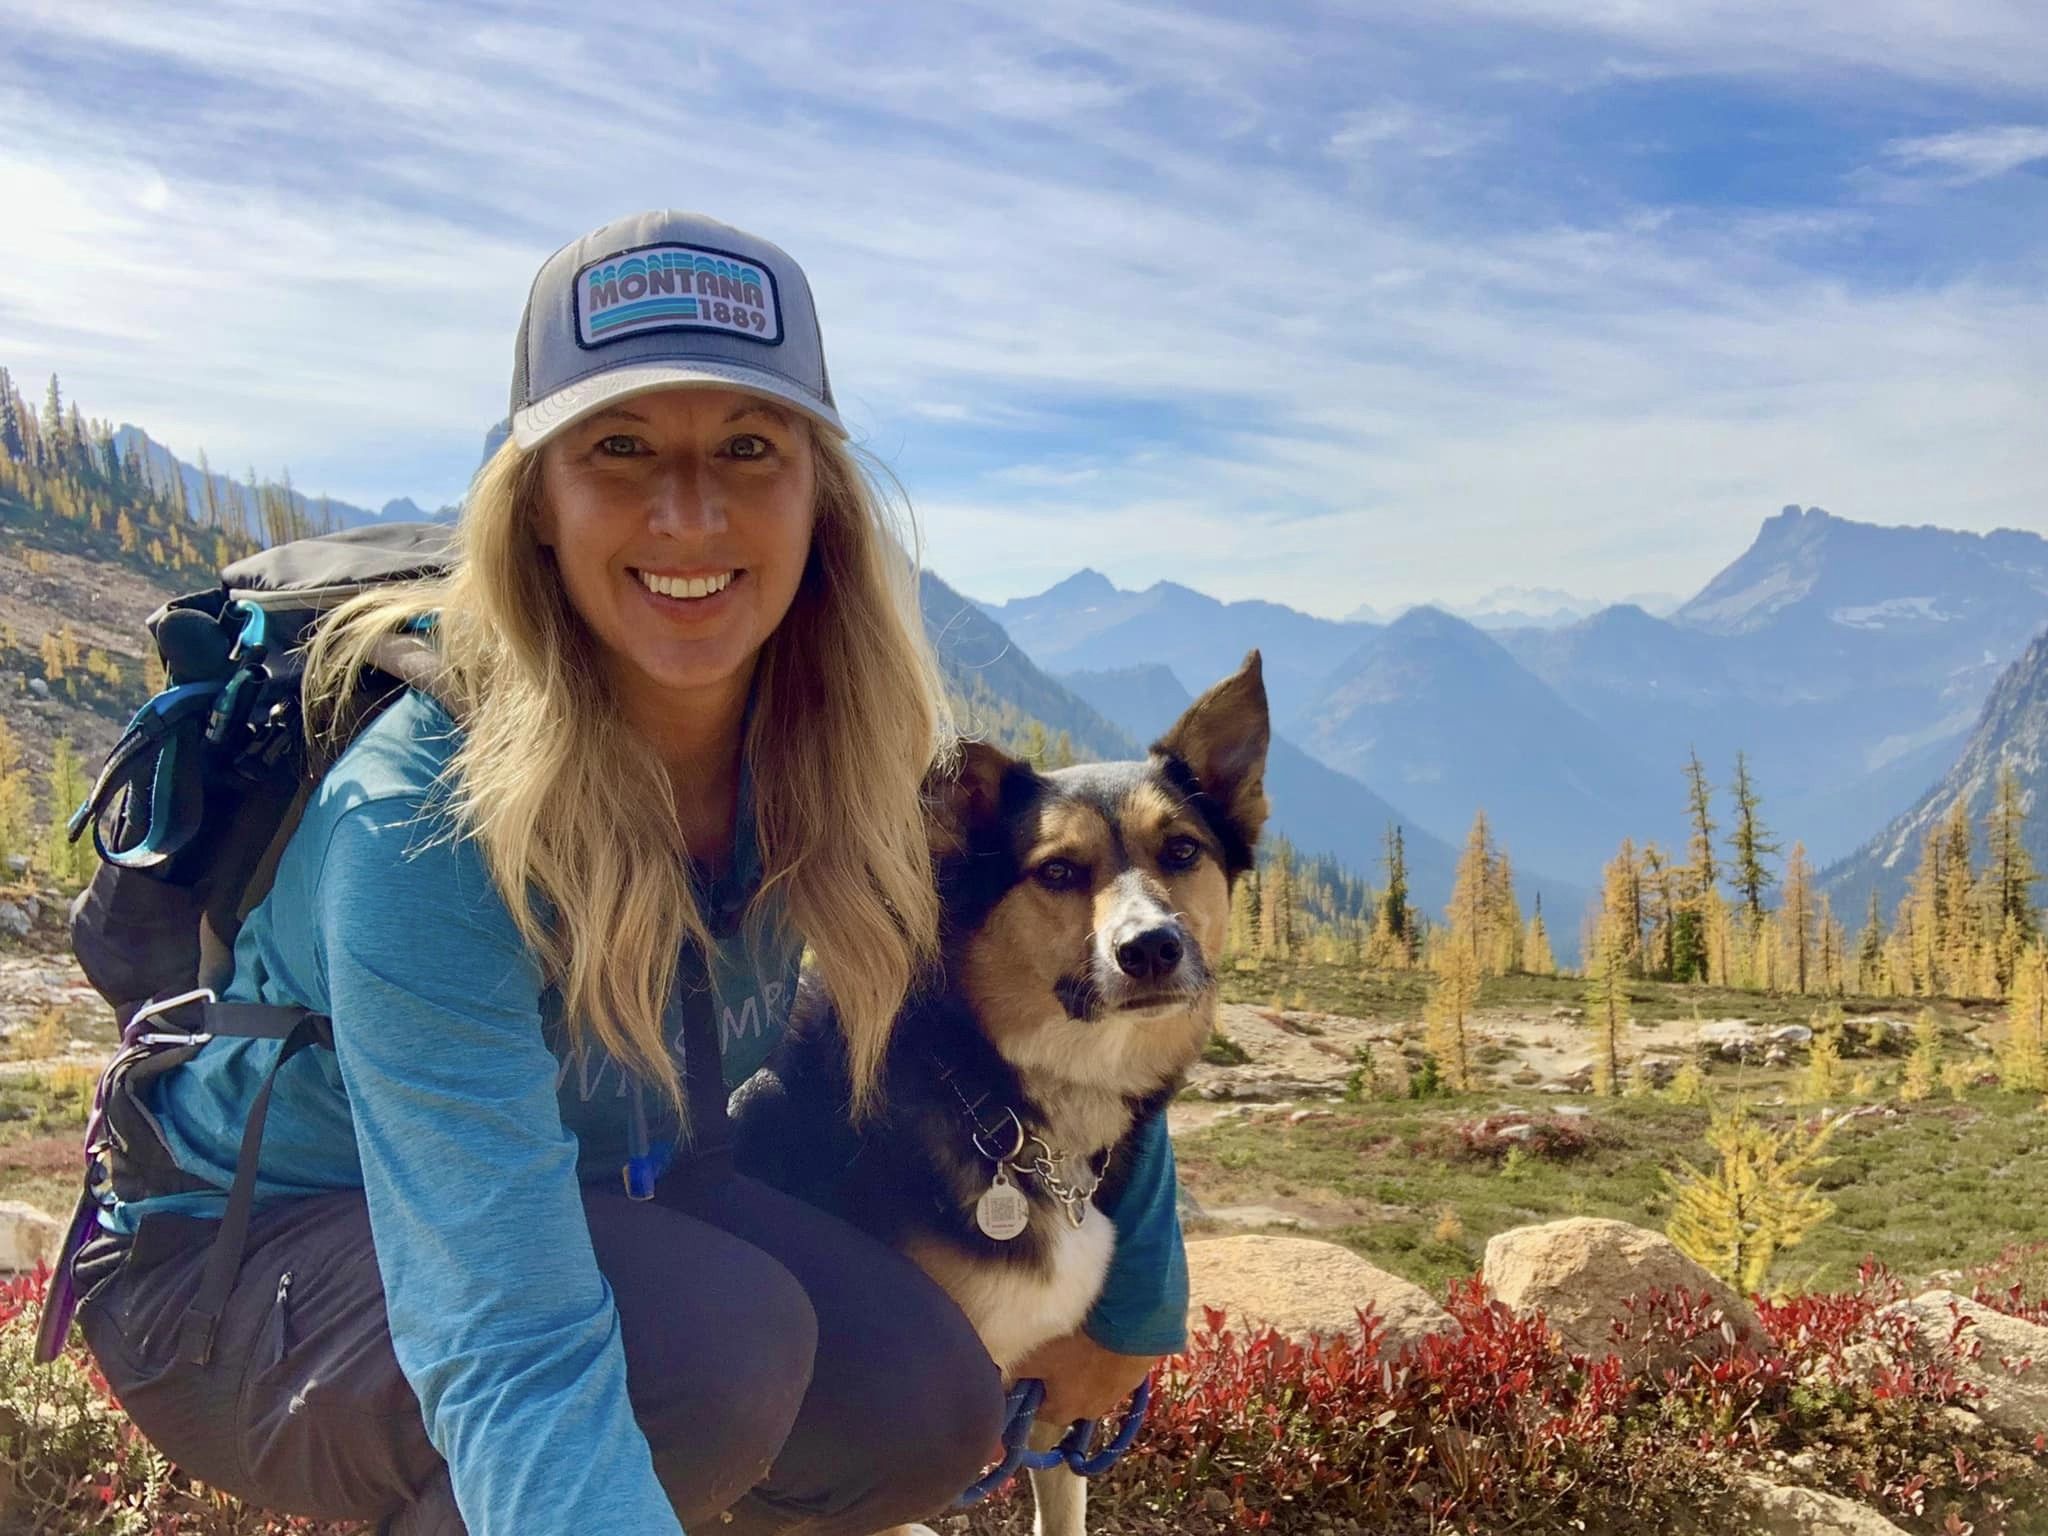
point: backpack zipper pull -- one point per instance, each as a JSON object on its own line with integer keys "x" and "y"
{"x": 277, "y": 1318}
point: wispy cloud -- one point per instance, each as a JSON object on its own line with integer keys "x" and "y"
{"x": 1330, "y": 307}
{"x": 1975, "y": 154}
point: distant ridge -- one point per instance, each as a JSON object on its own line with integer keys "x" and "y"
{"x": 1318, "y": 809}
{"x": 234, "y": 495}
{"x": 2011, "y": 728}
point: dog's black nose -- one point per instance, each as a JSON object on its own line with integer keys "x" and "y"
{"x": 1150, "y": 953}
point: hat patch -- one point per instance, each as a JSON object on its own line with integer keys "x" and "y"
{"x": 675, "y": 288}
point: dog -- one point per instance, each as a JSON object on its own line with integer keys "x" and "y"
{"x": 1083, "y": 914}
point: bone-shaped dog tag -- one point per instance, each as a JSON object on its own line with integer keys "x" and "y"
{"x": 1002, "y": 1211}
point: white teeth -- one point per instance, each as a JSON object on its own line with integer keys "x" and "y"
{"x": 685, "y": 587}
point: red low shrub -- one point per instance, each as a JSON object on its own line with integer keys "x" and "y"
{"x": 1553, "y": 1138}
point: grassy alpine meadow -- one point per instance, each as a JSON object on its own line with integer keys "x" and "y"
{"x": 1944, "y": 1186}
{"x": 1418, "y": 1184}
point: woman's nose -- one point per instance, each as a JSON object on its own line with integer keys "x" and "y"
{"x": 687, "y": 499}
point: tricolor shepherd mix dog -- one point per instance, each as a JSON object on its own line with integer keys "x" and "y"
{"x": 1084, "y": 911}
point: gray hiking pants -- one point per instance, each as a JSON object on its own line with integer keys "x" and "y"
{"x": 784, "y": 1367}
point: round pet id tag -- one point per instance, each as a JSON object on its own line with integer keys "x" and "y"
{"x": 1002, "y": 1211}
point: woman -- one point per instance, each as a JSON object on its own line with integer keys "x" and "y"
{"x": 554, "y": 912}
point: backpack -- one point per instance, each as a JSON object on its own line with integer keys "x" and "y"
{"x": 189, "y": 815}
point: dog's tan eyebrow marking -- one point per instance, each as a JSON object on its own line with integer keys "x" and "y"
{"x": 1156, "y": 814}
{"x": 1069, "y": 832}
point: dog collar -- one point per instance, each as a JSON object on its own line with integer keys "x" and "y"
{"x": 1022, "y": 1150}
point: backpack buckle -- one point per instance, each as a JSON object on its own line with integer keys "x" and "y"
{"x": 136, "y": 1034}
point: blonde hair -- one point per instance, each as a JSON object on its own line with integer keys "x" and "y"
{"x": 575, "y": 813}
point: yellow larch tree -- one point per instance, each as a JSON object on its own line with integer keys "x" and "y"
{"x": 1736, "y": 1217}
{"x": 1447, "y": 1014}
{"x": 2023, "y": 1058}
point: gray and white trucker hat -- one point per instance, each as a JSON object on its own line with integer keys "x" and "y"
{"x": 660, "y": 299}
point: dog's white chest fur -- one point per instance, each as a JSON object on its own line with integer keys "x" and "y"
{"x": 1016, "y": 1309}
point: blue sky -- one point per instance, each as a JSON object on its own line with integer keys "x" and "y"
{"x": 1332, "y": 304}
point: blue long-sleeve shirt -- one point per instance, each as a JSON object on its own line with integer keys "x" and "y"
{"x": 452, "y": 1100}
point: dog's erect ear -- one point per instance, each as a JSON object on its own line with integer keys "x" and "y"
{"x": 967, "y": 792}
{"x": 1222, "y": 741}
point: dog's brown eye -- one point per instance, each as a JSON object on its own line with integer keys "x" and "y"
{"x": 1058, "y": 874}
{"x": 1180, "y": 853}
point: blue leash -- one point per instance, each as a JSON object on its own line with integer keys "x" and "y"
{"x": 1022, "y": 1404}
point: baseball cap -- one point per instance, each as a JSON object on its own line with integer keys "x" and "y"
{"x": 659, "y": 299}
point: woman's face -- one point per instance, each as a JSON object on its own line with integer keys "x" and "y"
{"x": 681, "y": 521}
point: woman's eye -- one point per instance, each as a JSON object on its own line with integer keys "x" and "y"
{"x": 1058, "y": 874}
{"x": 1180, "y": 853}
{"x": 749, "y": 446}
{"x": 618, "y": 445}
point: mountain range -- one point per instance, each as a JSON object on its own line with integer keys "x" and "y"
{"x": 2011, "y": 728}
{"x": 1520, "y": 608}
{"x": 1318, "y": 809}
{"x": 1848, "y": 662}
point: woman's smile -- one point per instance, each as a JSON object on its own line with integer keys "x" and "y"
{"x": 681, "y": 523}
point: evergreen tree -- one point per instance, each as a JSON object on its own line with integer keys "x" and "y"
{"x": 1871, "y": 973}
{"x": 1537, "y": 958}
{"x": 2010, "y": 873}
{"x": 1754, "y": 1203}
{"x": 1392, "y": 944}
{"x": 12, "y": 444}
{"x": 53, "y": 426}
{"x": 1750, "y": 845}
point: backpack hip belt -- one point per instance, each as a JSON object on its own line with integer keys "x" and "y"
{"x": 126, "y": 1153}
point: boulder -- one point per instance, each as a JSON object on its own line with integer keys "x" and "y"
{"x": 1732, "y": 1039}
{"x": 1792, "y": 1034}
{"x": 1577, "y": 1272}
{"x": 27, "y": 1236}
{"x": 1773, "y": 1509}
{"x": 2011, "y": 1363}
{"x": 14, "y": 922}
{"x": 39, "y": 689}
{"x": 1303, "y": 1288}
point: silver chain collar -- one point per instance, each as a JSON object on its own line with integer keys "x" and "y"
{"x": 1044, "y": 1162}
